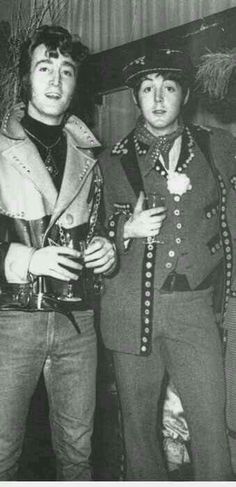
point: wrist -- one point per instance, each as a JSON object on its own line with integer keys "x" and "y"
{"x": 30, "y": 275}
{"x": 127, "y": 234}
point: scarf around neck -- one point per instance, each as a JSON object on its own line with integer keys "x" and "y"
{"x": 161, "y": 144}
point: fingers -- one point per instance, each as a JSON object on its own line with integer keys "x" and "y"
{"x": 64, "y": 263}
{"x": 95, "y": 245}
{"x": 146, "y": 223}
{"x": 95, "y": 252}
{"x": 64, "y": 266}
{"x": 102, "y": 264}
{"x": 61, "y": 275}
{"x": 99, "y": 259}
{"x": 64, "y": 274}
{"x": 156, "y": 219}
{"x": 75, "y": 254}
{"x": 156, "y": 211}
{"x": 50, "y": 261}
{"x": 100, "y": 255}
{"x": 71, "y": 263}
{"x": 102, "y": 269}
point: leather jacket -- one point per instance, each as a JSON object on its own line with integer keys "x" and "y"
{"x": 33, "y": 214}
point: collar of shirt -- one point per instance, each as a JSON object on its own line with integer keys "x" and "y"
{"x": 147, "y": 163}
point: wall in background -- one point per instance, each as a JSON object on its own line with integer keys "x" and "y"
{"x": 104, "y": 24}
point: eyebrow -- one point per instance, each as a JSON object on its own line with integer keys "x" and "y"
{"x": 49, "y": 61}
{"x": 157, "y": 75}
{"x": 148, "y": 78}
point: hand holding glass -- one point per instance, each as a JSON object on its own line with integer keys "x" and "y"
{"x": 155, "y": 200}
{"x": 74, "y": 287}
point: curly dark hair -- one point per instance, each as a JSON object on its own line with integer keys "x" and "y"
{"x": 55, "y": 38}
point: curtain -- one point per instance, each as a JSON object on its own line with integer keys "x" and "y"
{"x": 104, "y": 24}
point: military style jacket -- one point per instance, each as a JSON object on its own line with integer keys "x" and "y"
{"x": 199, "y": 232}
{"x": 32, "y": 212}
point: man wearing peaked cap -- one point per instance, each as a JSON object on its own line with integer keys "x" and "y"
{"x": 159, "y": 311}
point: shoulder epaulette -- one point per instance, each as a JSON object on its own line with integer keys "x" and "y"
{"x": 201, "y": 127}
{"x": 120, "y": 147}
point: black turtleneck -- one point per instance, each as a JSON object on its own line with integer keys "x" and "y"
{"x": 44, "y": 136}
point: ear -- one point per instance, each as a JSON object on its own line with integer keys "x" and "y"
{"x": 186, "y": 97}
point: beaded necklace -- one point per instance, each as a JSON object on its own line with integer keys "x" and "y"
{"x": 49, "y": 160}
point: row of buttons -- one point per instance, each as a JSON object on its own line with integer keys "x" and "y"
{"x": 148, "y": 284}
{"x": 225, "y": 236}
{"x": 171, "y": 253}
{"x": 147, "y": 299}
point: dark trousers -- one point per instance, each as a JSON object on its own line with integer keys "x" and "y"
{"x": 230, "y": 374}
{"x": 186, "y": 343}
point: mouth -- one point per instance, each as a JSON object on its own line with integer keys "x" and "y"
{"x": 158, "y": 111}
{"x": 53, "y": 95}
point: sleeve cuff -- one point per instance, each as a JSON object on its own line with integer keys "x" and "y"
{"x": 123, "y": 245}
{"x": 17, "y": 263}
{"x": 4, "y": 246}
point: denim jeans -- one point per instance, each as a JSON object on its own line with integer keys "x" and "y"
{"x": 48, "y": 341}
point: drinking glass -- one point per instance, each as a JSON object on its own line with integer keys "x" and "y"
{"x": 154, "y": 200}
{"x": 75, "y": 287}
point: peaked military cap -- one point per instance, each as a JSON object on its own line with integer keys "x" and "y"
{"x": 158, "y": 60}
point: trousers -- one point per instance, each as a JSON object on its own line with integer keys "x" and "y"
{"x": 30, "y": 343}
{"x": 230, "y": 372}
{"x": 186, "y": 343}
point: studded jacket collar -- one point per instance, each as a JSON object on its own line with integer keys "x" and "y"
{"x": 30, "y": 205}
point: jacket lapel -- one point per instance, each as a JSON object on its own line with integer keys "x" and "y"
{"x": 77, "y": 169}
{"x": 25, "y": 156}
{"x": 79, "y": 164}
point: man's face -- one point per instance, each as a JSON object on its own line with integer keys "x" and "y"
{"x": 53, "y": 83}
{"x": 160, "y": 102}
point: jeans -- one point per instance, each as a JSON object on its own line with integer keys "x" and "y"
{"x": 30, "y": 343}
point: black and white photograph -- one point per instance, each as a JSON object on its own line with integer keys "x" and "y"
{"x": 118, "y": 241}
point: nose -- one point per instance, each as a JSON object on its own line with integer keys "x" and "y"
{"x": 55, "y": 77}
{"x": 158, "y": 94}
